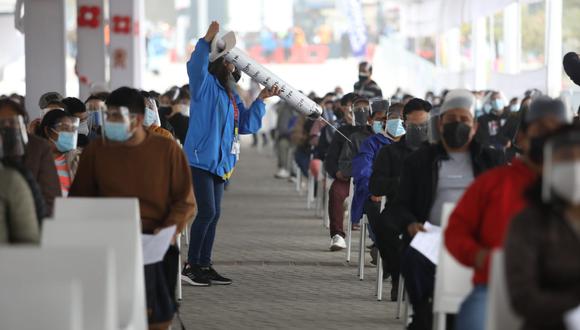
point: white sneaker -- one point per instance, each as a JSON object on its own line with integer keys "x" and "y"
{"x": 337, "y": 243}
{"x": 282, "y": 174}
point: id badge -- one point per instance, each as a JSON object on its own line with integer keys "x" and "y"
{"x": 236, "y": 148}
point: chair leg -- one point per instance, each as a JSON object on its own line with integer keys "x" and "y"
{"x": 310, "y": 192}
{"x": 441, "y": 321}
{"x": 348, "y": 239}
{"x": 379, "y": 278}
{"x": 179, "y": 289}
{"x": 400, "y": 295}
{"x": 325, "y": 214}
{"x": 361, "y": 253}
{"x": 406, "y": 313}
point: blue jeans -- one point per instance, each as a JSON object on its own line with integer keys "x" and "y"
{"x": 473, "y": 310}
{"x": 209, "y": 190}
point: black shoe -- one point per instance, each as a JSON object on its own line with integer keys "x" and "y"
{"x": 216, "y": 278}
{"x": 374, "y": 255}
{"x": 195, "y": 276}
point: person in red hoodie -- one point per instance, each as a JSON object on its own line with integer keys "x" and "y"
{"x": 481, "y": 218}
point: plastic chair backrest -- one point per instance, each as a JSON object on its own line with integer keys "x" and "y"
{"x": 123, "y": 236}
{"x": 80, "y": 209}
{"x": 34, "y": 305}
{"x": 500, "y": 314}
{"x": 452, "y": 280}
{"x": 93, "y": 267}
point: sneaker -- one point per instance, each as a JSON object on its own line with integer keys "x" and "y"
{"x": 282, "y": 174}
{"x": 355, "y": 227}
{"x": 193, "y": 275}
{"x": 216, "y": 278}
{"x": 337, "y": 243}
{"x": 374, "y": 255}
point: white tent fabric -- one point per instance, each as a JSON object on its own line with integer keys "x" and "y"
{"x": 437, "y": 16}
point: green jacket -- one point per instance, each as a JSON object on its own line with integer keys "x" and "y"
{"x": 18, "y": 223}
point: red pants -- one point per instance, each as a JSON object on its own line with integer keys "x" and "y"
{"x": 338, "y": 193}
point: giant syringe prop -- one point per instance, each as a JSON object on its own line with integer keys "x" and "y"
{"x": 225, "y": 46}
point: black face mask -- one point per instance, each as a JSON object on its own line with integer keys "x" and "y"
{"x": 416, "y": 135}
{"x": 361, "y": 118}
{"x": 456, "y": 134}
{"x": 362, "y": 78}
{"x": 536, "y": 152}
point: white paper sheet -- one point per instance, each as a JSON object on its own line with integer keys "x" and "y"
{"x": 572, "y": 319}
{"x": 429, "y": 242}
{"x": 155, "y": 246}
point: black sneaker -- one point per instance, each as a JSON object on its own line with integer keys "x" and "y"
{"x": 216, "y": 278}
{"x": 195, "y": 276}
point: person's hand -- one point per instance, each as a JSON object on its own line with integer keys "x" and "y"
{"x": 266, "y": 93}
{"x": 480, "y": 258}
{"x": 414, "y": 228}
{"x": 212, "y": 31}
{"x": 376, "y": 199}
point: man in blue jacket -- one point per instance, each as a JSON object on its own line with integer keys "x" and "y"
{"x": 212, "y": 146}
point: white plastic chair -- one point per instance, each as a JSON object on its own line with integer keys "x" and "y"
{"x": 452, "y": 280}
{"x": 500, "y": 314}
{"x": 113, "y": 223}
{"x": 46, "y": 305}
{"x": 92, "y": 267}
{"x": 379, "y": 277}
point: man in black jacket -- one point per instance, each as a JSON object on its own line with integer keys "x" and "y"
{"x": 432, "y": 176}
{"x": 384, "y": 182}
{"x": 338, "y": 165}
{"x": 366, "y": 86}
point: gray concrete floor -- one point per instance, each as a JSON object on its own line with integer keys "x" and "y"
{"x": 277, "y": 253}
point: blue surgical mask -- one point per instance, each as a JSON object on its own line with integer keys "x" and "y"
{"x": 395, "y": 127}
{"x": 66, "y": 141}
{"x": 118, "y": 132}
{"x": 514, "y": 108}
{"x": 487, "y": 108}
{"x": 378, "y": 127}
{"x": 497, "y": 104}
{"x": 150, "y": 117}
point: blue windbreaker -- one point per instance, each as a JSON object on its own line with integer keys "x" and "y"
{"x": 210, "y": 137}
{"x": 362, "y": 169}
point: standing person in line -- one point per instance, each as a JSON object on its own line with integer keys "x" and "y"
{"x": 365, "y": 86}
{"x": 212, "y": 145}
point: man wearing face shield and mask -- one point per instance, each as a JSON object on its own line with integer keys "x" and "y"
{"x": 338, "y": 164}
{"x": 432, "y": 176}
{"x": 490, "y": 132}
{"x": 385, "y": 182}
{"x": 479, "y": 223}
{"x": 543, "y": 241}
{"x": 152, "y": 121}
{"x": 131, "y": 162}
{"x": 365, "y": 86}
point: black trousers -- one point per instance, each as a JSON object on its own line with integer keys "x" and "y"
{"x": 386, "y": 239}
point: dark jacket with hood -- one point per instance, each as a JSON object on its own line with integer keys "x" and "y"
{"x": 420, "y": 177}
{"x": 332, "y": 162}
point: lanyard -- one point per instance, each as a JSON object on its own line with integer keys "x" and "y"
{"x": 236, "y": 114}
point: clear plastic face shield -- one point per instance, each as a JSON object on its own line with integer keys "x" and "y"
{"x": 561, "y": 170}
{"x": 96, "y": 110}
{"x": 151, "y": 113}
{"x": 360, "y": 113}
{"x": 434, "y": 136}
{"x": 119, "y": 124}
{"x": 65, "y": 134}
{"x": 13, "y": 137}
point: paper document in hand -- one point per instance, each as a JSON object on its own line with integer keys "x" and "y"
{"x": 572, "y": 319}
{"x": 155, "y": 246}
{"x": 428, "y": 242}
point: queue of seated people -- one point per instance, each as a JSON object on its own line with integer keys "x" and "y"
{"x": 512, "y": 169}
{"x": 112, "y": 145}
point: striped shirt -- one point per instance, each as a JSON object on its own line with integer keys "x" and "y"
{"x": 63, "y": 174}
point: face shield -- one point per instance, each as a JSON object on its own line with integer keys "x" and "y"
{"x": 67, "y": 134}
{"x": 151, "y": 113}
{"x": 561, "y": 171}
{"x": 433, "y": 129}
{"x": 361, "y": 114}
{"x": 13, "y": 137}
{"x": 118, "y": 124}
{"x": 96, "y": 113}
